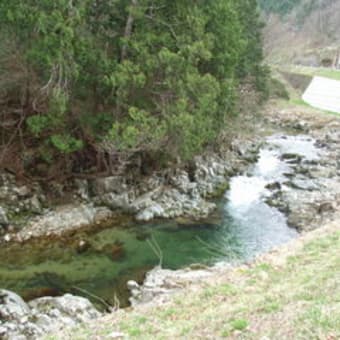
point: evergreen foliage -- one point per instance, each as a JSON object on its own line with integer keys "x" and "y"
{"x": 120, "y": 77}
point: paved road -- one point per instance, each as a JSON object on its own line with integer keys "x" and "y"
{"x": 323, "y": 93}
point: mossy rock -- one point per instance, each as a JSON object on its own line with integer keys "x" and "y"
{"x": 220, "y": 190}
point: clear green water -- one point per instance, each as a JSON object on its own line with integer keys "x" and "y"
{"x": 113, "y": 257}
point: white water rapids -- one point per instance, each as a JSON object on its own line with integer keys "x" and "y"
{"x": 256, "y": 225}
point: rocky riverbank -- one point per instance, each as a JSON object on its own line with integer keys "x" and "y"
{"x": 24, "y": 212}
{"x": 310, "y": 194}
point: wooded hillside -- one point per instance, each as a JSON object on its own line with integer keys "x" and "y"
{"x": 303, "y": 32}
{"x": 87, "y": 86}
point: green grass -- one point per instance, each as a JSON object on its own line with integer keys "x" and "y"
{"x": 239, "y": 325}
{"x": 301, "y": 102}
{"x": 323, "y": 72}
{"x": 313, "y": 71}
{"x": 295, "y": 101}
{"x": 299, "y": 299}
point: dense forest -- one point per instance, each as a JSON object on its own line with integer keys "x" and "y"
{"x": 87, "y": 86}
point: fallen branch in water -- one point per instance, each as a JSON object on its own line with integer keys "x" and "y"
{"x": 99, "y": 299}
{"x": 156, "y": 249}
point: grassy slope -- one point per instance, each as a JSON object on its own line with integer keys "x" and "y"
{"x": 293, "y": 293}
{"x": 313, "y": 71}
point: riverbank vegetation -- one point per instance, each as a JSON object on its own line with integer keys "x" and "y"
{"x": 94, "y": 86}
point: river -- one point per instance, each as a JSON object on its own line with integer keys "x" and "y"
{"x": 101, "y": 262}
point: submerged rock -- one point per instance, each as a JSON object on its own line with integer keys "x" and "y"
{"x": 114, "y": 251}
{"x": 82, "y": 246}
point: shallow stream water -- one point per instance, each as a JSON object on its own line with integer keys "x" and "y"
{"x": 243, "y": 227}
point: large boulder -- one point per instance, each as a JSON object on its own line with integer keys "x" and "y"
{"x": 53, "y": 313}
{"x": 23, "y": 321}
{"x": 150, "y": 213}
{"x": 116, "y": 201}
{"x": 105, "y": 185}
{"x": 64, "y": 218}
{"x": 12, "y": 306}
{"x": 15, "y": 318}
{"x": 160, "y": 284}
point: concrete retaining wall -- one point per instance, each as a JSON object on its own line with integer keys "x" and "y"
{"x": 323, "y": 93}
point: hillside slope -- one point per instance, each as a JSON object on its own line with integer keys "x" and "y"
{"x": 292, "y": 293}
{"x": 307, "y": 34}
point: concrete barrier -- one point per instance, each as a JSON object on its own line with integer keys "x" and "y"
{"x": 323, "y": 93}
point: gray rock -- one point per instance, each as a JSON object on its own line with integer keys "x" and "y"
{"x": 3, "y": 217}
{"x": 182, "y": 182}
{"x": 303, "y": 184}
{"x": 116, "y": 201}
{"x": 301, "y": 126}
{"x": 7, "y": 238}
{"x": 63, "y": 219}
{"x": 23, "y": 191}
{"x": 291, "y": 158}
{"x": 150, "y": 213}
{"x": 101, "y": 215}
{"x": 160, "y": 283}
{"x": 45, "y": 315}
{"x": 12, "y": 306}
{"x": 82, "y": 188}
{"x": 113, "y": 184}
{"x": 35, "y": 205}
{"x": 326, "y": 207}
{"x": 131, "y": 284}
{"x": 248, "y": 150}
{"x": 73, "y": 307}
